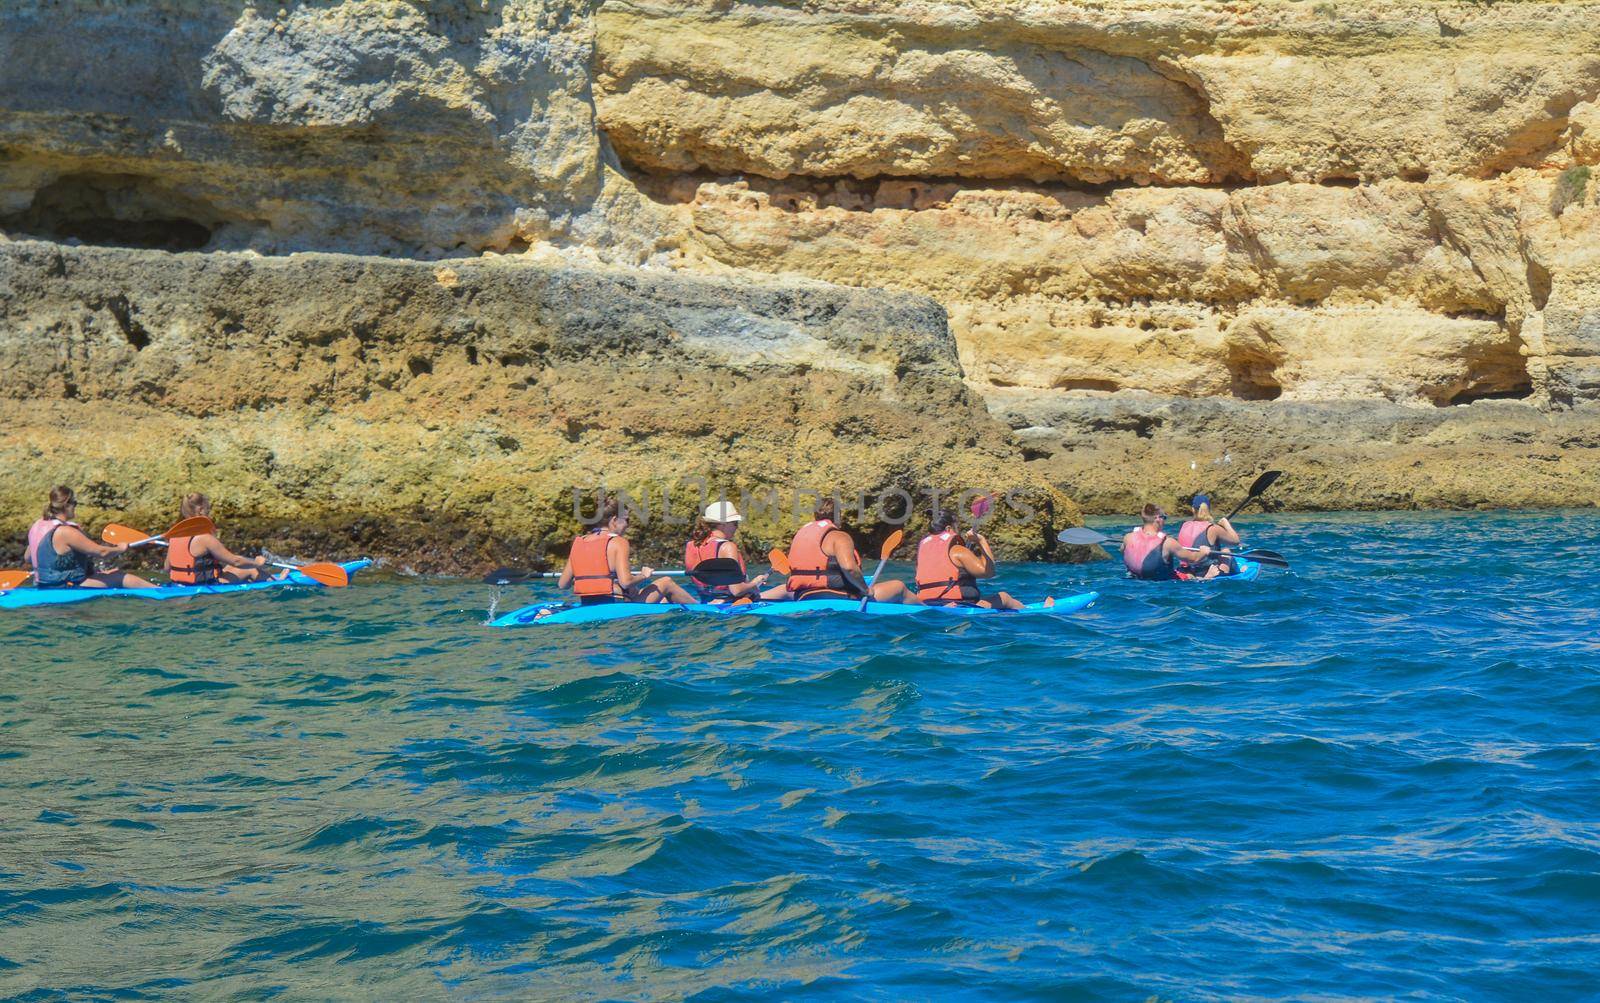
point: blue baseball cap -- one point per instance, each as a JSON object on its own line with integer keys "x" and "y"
{"x": 1200, "y": 500}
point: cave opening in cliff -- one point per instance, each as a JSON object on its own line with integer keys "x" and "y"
{"x": 1504, "y": 378}
{"x": 1253, "y": 376}
{"x": 116, "y": 210}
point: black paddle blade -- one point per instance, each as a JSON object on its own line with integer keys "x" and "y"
{"x": 718, "y": 571}
{"x": 1271, "y": 558}
{"x": 1264, "y": 482}
{"x": 509, "y": 576}
{"x": 1082, "y": 536}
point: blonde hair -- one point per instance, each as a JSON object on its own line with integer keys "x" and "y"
{"x": 194, "y": 504}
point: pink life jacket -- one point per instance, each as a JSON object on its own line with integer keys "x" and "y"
{"x": 1141, "y": 555}
{"x": 37, "y": 532}
{"x": 1192, "y": 534}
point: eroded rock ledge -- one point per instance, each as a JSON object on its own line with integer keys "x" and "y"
{"x": 445, "y": 413}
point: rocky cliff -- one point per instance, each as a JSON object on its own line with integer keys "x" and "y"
{"x": 1161, "y": 243}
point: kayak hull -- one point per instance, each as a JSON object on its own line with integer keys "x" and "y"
{"x": 557, "y": 613}
{"x": 1248, "y": 571}
{"x": 28, "y": 598}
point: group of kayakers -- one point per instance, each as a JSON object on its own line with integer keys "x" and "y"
{"x": 821, "y": 562}
{"x": 64, "y": 556}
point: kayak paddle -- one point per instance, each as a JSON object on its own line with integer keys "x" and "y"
{"x": 324, "y": 573}
{"x": 1270, "y": 558}
{"x": 13, "y": 579}
{"x": 889, "y": 547}
{"x": 1257, "y": 489}
{"x": 117, "y": 535}
{"x": 1083, "y": 536}
{"x": 780, "y": 562}
{"x": 718, "y": 571}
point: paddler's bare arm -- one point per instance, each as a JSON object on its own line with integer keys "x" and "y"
{"x": 1187, "y": 553}
{"x": 753, "y": 585}
{"x": 623, "y": 568}
{"x": 842, "y": 549}
{"x": 222, "y": 555}
{"x": 76, "y": 541}
{"x": 979, "y": 562}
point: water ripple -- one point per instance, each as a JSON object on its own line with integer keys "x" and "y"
{"x": 1370, "y": 778}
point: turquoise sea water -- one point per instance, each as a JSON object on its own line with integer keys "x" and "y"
{"x": 1375, "y": 776}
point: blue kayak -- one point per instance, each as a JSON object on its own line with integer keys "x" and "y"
{"x": 26, "y": 598}
{"x": 557, "y": 613}
{"x": 1248, "y": 571}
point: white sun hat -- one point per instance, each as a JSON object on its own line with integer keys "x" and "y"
{"x": 722, "y": 512}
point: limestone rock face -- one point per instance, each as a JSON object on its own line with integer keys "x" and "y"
{"x": 1166, "y": 92}
{"x": 367, "y": 126}
{"x": 1140, "y": 235}
{"x": 1175, "y": 290}
{"x": 778, "y": 92}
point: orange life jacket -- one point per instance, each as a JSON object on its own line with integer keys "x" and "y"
{"x": 811, "y": 569}
{"x": 706, "y": 550}
{"x": 186, "y": 569}
{"x": 939, "y": 577}
{"x": 591, "y": 565}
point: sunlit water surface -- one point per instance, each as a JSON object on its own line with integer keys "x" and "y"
{"x": 1373, "y": 776}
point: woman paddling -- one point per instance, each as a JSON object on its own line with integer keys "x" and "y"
{"x": 1149, "y": 553}
{"x": 1203, "y": 531}
{"x": 203, "y": 560}
{"x": 713, "y": 541}
{"x": 63, "y": 556}
{"x": 598, "y": 570}
{"x": 950, "y": 563}
{"x": 823, "y": 563}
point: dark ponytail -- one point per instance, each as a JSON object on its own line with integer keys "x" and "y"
{"x": 609, "y": 509}
{"x": 61, "y": 499}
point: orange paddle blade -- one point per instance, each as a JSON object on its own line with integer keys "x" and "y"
{"x": 331, "y": 575}
{"x": 13, "y": 579}
{"x": 117, "y": 535}
{"x": 892, "y": 544}
{"x": 779, "y": 561}
{"x": 198, "y": 526}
